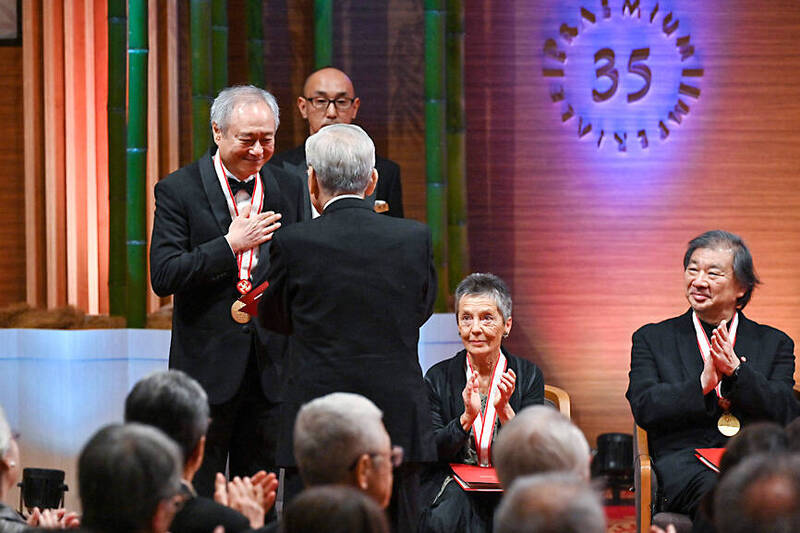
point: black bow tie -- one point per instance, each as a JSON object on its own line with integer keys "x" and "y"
{"x": 237, "y": 186}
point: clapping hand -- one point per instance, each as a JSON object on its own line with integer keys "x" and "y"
{"x": 504, "y": 391}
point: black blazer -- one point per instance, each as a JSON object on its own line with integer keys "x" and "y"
{"x": 388, "y": 189}
{"x": 190, "y": 258}
{"x": 352, "y": 288}
{"x": 202, "y": 515}
{"x": 666, "y": 398}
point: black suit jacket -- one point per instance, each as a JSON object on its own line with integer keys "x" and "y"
{"x": 190, "y": 258}
{"x": 388, "y": 189}
{"x": 666, "y": 398}
{"x": 202, "y": 515}
{"x": 352, "y": 288}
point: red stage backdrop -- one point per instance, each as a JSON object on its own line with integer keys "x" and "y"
{"x": 590, "y": 237}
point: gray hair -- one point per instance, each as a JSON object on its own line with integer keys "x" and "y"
{"x": 545, "y": 503}
{"x": 479, "y": 283}
{"x": 539, "y": 439}
{"x": 331, "y": 432}
{"x": 743, "y": 269}
{"x": 343, "y": 156}
{"x": 5, "y": 433}
{"x": 124, "y": 472}
{"x": 229, "y": 97}
{"x": 762, "y": 493}
{"x": 174, "y": 403}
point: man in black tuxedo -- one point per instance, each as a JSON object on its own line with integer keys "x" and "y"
{"x": 352, "y": 289}
{"x": 696, "y": 378}
{"x": 213, "y": 222}
{"x": 329, "y": 98}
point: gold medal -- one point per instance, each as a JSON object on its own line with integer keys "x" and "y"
{"x": 728, "y": 424}
{"x": 240, "y": 316}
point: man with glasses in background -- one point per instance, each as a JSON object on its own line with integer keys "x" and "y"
{"x": 329, "y": 98}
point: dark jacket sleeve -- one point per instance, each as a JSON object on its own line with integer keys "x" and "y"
{"x": 771, "y": 396}
{"x": 450, "y": 437}
{"x": 274, "y": 313}
{"x": 656, "y": 402}
{"x": 174, "y": 264}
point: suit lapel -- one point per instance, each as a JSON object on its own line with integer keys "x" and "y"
{"x": 216, "y": 200}
{"x": 746, "y": 340}
{"x": 687, "y": 345}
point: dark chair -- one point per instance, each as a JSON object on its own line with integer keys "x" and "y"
{"x": 613, "y": 462}
{"x": 42, "y": 487}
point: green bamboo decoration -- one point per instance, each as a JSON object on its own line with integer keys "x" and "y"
{"x": 117, "y": 78}
{"x": 435, "y": 147}
{"x": 200, "y": 38}
{"x": 219, "y": 45}
{"x": 457, "y": 243}
{"x": 136, "y": 163}
{"x": 323, "y": 33}
{"x": 255, "y": 43}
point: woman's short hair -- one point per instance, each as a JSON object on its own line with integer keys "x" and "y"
{"x": 480, "y": 283}
{"x": 334, "y": 509}
{"x": 743, "y": 269}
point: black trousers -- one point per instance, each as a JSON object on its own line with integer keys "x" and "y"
{"x": 242, "y": 434}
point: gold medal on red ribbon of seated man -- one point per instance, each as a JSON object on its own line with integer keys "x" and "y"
{"x": 237, "y": 314}
{"x": 728, "y": 424}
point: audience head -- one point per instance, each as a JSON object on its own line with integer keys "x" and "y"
{"x": 9, "y": 457}
{"x": 761, "y": 437}
{"x": 342, "y": 157}
{"x": 129, "y": 478}
{"x": 177, "y": 405}
{"x": 340, "y": 439}
{"x": 334, "y": 509}
{"x": 762, "y": 494}
{"x": 540, "y": 439}
{"x": 793, "y": 435}
{"x": 559, "y": 502}
{"x": 328, "y": 98}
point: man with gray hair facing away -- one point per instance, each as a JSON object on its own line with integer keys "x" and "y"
{"x": 538, "y": 440}
{"x": 352, "y": 289}
{"x": 546, "y": 503}
{"x": 211, "y": 233}
{"x": 339, "y": 439}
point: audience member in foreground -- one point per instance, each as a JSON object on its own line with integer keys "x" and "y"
{"x": 554, "y": 502}
{"x": 761, "y": 494}
{"x": 339, "y": 439}
{"x": 334, "y": 509}
{"x": 10, "y": 469}
{"x": 695, "y": 379}
{"x": 473, "y": 395}
{"x": 538, "y": 440}
{"x": 129, "y": 479}
{"x": 177, "y": 405}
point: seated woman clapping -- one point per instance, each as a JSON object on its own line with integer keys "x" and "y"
{"x": 472, "y": 395}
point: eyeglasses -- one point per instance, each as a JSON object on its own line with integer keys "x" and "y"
{"x": 320, "y": 103}
{"x": 466, "y": 321}
{"x": 395, "y": 456}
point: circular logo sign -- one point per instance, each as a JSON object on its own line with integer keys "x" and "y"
{"x": 625, "y": 77}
